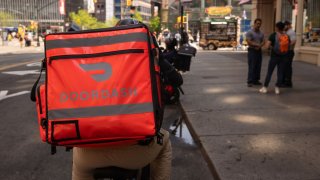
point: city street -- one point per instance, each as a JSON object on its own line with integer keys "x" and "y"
{"x": 236, "y": 132}
{"x": 24, "y": 156}
{"x": 225, "y": 126}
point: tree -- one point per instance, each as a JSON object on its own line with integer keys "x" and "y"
{"x": 6, "y": 19}
{"x": 86, "y": 21}
{"x": 112, "y": 22}
{"x": 137, "y": 16}
{"x": 155, "y": 24}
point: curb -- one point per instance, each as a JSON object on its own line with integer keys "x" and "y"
{"x": 197, "y": 140}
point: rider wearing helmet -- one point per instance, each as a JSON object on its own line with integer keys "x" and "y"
{"x": 85, "y": 160}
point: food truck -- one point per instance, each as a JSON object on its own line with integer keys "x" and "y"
{"x": 218, "y": 32}
{"x": 218, "y": 29}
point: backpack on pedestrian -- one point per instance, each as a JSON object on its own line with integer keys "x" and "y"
{"x": 282, "y": 44}
{"x": 102, "y": 88}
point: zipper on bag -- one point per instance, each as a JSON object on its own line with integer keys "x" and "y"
{"x": 103, "y": 54}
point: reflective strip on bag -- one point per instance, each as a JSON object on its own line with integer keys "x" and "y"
{"x": 100, "y": 111}
{"x": 96, "y": 41}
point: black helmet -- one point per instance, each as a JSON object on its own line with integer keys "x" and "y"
{"x": 170, "y": 42}
{"x": 129, "y": 21}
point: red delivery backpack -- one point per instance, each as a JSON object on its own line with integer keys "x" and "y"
{"x": 101, "y": 88}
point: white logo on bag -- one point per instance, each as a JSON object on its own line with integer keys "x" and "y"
{"x": 106, "y": 67}
{"x": 122, "y": 92}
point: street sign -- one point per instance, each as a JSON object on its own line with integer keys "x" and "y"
{"x": 218, "y": 11}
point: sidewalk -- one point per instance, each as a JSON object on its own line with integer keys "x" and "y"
{"x": 13, "y": 47}
{"x": 246, "y": 135}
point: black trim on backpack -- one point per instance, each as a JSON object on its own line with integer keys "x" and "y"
{"x": 39, "y": 97}
{"x": 76, "y": 127}
{"x": 158, "y": 111}
{"x": 116, "y": 28}
{"x": 110, "y": 53}
{"x": 46, "y": 97}
{"x": 34, "y": 87}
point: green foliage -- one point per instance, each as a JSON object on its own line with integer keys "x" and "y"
{"x": 6, "y": 19}
{"x": 112, "y": 22}
{"x": 155, "y": 24}
{"x": 137, "y": 16}
{"x": 86, "y": 21}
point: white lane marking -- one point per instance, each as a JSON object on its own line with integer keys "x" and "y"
{"x": 22, "y": 73}
{"x": 34, "y": 64}
{"x": 16, "y": 65}
{"x": 3, "y": 94}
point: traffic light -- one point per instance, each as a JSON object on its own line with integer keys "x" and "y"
{"x": 184, "y": 19}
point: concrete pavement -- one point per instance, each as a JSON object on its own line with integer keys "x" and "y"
{"x": 246, "y": 135}
{"x": 13, "y": 47}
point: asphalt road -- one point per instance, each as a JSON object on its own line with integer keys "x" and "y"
{"x": 24, "y": 156}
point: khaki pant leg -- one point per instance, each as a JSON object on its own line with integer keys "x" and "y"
{"x": 160, "y": 168}
{"x": 85, "y": 160}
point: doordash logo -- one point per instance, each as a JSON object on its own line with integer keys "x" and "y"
{"x": 106, "y": 67}
{"x": 96, "y": 94}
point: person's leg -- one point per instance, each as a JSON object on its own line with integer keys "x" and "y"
{"x": 281, "y": 66}
{"x": 250, "y": 66}
{"x": 160, "y": 168}
{"x": 257, "y": 66}
{"x": 288, "y": 74}
{"x": 272, "y": 64}
{"x": 285, "y": 69}
{"x": 85, "y": 160}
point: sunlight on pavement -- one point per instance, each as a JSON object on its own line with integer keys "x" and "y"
{"x": 266, "y": 143}
{"x": 251, "y": 119}
{"x": 214, "y": 90}
{"x": 234, "y": 99}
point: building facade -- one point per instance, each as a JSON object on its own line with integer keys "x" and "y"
{"x": 108, "y": 9}
{"x": 305, "y": 17}
{"x": 144, "y": 8}
{"x": 48, "y": 13}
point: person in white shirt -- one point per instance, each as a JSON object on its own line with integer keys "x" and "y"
{"x": 287, "y": 77}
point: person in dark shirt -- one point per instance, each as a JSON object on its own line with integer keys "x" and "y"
{"x": 276, "y": 59}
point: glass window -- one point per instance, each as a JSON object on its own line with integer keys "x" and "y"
{"x": 286, "y": 11}
{"x": 118, "y": 9}
{"x": 311, "y": 23}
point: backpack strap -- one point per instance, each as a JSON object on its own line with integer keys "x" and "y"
{"x": 33, "y": 91}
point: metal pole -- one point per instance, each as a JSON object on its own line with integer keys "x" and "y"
{"x": 37, "y": 14}
{"x": 181, "y": 22}
{"x": 202, "y": 9}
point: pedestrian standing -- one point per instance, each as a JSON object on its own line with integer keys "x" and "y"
{"x": 280, "y": 42}
{"x": 21, "y": 40}
{"x": 255, "y": 40}
{"x": 287, "y": 79}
